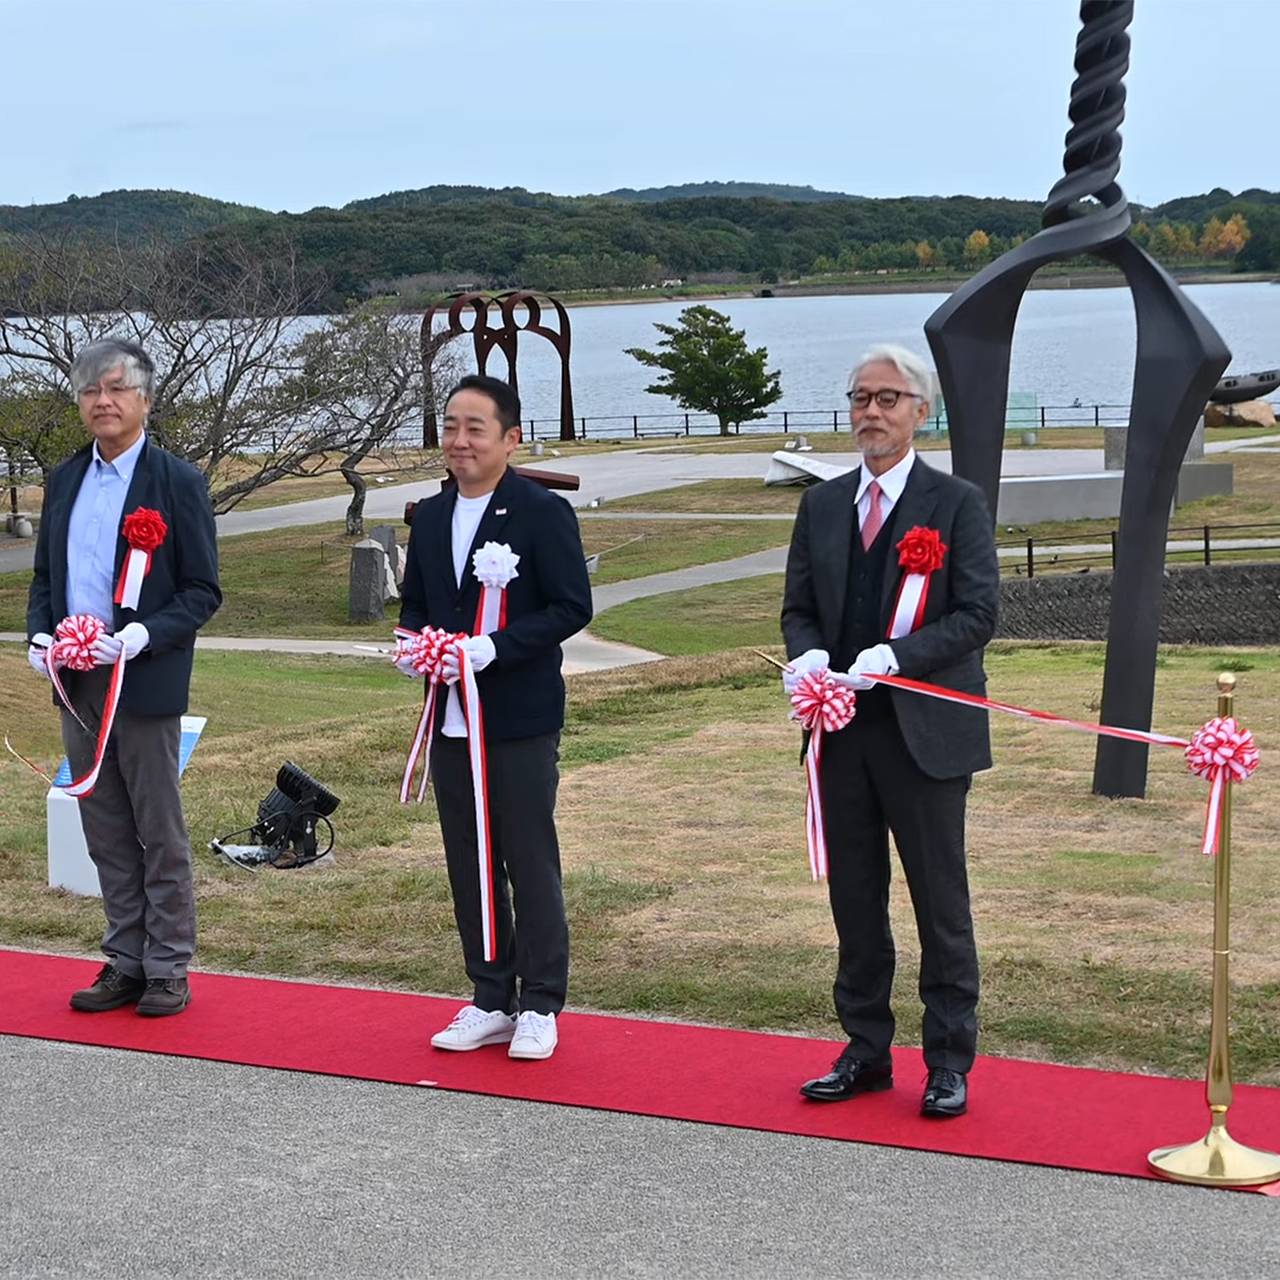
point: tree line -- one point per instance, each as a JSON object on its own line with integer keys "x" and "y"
{"x": 456, "y": 236}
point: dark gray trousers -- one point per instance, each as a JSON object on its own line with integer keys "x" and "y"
{"x": 136, "y": 834}
{"x": 533, "y": 948}
{"x": 870, "y": 787}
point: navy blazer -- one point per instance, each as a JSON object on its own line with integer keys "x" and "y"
{"x": 522, "y": 690}
{"x": 180, "y": 593}
{"x": 946, "y": 740}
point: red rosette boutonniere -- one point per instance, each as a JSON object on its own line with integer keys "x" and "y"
{"x": 920, "y": 554}
{"x": 921, "y": 550}
{"x": 144, "y": 530}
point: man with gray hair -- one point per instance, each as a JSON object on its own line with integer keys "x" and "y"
{"x": 151, "y": 608}
{"x": 892, "y": 569}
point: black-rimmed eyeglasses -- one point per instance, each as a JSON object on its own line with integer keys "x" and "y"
{"x": 886, "y": 398}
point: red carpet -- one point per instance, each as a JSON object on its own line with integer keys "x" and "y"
{"x": 1029, "y": 1112}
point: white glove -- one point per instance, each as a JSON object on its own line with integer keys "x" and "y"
{"x": 877, "y": 661}
{"x": 127, "y": 643}
{"x": 106, "y": 650}
{"x": 35, "y": 652}
{"x": 405, "y": 667}
{"x": 810, "y": 660}
{"x": 478, "y": 648}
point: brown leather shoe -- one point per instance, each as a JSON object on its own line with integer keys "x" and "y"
{"x": 111, "y": 989}
{"x": 164, "y": 996}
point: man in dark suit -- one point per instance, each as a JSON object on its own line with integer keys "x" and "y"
{"x": 133, "y": 823}
{"x": 518, "y": 995}
{"x": 904, "y": 763}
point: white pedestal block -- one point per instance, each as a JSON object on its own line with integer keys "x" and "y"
{"x": 69, "y": 864}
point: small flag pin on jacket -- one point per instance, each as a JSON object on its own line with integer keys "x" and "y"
{"x": 501, "y": 511}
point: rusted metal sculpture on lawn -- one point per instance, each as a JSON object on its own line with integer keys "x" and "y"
{"x": 1180, "y": 357}
{"x": 504, "y": 336}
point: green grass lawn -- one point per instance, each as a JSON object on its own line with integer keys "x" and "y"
{"x": 681, "y": 819}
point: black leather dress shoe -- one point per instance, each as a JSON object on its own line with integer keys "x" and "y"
{"x": 847, "y": 1078}
{"x": 945, "y": 1095}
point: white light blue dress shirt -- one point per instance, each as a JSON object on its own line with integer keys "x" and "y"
{"x": 94, "y": 531}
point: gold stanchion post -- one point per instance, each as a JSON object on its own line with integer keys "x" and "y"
{"x": 1217, "y": 1159}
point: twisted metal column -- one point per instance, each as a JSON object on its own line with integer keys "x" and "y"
{"x": 1180, "y": 357}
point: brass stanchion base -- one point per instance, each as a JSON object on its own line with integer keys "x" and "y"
{"x": 1217, "y": 1160}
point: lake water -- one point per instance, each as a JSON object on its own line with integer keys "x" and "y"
{"x": 1069, "y": 344}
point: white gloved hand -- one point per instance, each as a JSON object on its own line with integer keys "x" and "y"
{"x": 36, "y": 651}
{"x": 106, "y": 650}
{"x": 480, "y": 649}
{"x": 810, "y": 660}
{"x": 876, "y": 661}
{"x": 133, "y": 637}
{"x": 404, "y": 665}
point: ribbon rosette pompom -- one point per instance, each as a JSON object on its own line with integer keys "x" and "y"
{"x": 73, "y": 641}
{"x": 820, "y": 703}
{"x": 1222, "y": 752}
{"x": 425, "y": 650}
{"x": 495, "y": 565}
{"x": 921, "y": 550}
{"x": 144, "y": 529}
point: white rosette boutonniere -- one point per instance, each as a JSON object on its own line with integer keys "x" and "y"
{"x": 495, "y": 567}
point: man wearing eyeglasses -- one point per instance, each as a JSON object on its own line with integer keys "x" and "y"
{"x": 133, "y": 823}
{"x": 903, "y": 765}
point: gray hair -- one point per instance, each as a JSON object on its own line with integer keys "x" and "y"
{"x": 918, "y": 375}
{"x": 99, "y": 358}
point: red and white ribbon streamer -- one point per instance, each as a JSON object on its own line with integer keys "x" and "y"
{"x": 427, "y": 649}
{"x": 1222, "y": 752}
{"x": 821, "y": 706}
{"x": 908, "y": 609}
{"x": 137, "y": 564}
{"x": 72, "y": 647}
{"x": 1008, "y": 708}
{"x": 491, "y": 613}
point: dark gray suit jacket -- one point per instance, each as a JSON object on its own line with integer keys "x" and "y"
{"x": 944, "y": 739}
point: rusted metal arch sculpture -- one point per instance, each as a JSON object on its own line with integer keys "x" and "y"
{"x": 505, "y": 337}
{"x": 1180, "y": 357}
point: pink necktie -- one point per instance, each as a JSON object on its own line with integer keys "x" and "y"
{"x": 875, "y": 516}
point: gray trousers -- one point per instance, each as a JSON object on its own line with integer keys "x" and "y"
{"x": 135, "y": 832}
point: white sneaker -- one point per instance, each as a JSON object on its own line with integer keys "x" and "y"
{"x": 535, "y": 1036}
{"x": 473, "y": 1028}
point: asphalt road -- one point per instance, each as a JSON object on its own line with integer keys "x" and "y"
{"x": 133, "y": 1165}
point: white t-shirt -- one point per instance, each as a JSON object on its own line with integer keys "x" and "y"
{"x": 467, "y": 514}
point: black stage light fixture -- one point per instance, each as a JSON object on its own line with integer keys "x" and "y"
{"x": 289, "y": 818}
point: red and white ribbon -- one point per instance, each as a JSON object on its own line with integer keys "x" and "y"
{"x": 908, "y": 608}
{"x": 1222, "y": 752}
{"x": 427, "y": 649}
{"x": 822, "y": 707}
{"x": 494, "y": 564}
{"x": 72, "y": 647}
{"x": 144, "y": 530}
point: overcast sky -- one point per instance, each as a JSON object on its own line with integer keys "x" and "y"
{"x": 288, "y": 104}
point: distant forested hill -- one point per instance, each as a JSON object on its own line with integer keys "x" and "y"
{"x": 735, "y": 190}
{"x": 438, "y": 237}
{"x": 169, "y": 215}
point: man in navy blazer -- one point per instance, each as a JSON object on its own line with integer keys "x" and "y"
{"x": 904, "y": 763}
{"x": 518, "y": 995}
{"x": 133, "y": 822}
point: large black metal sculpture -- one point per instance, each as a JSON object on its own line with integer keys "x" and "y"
{"x": 1179, "y": 359}
{"x": 505, "y": 337}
